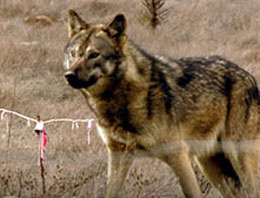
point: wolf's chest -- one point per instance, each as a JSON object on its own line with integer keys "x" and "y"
{"x": 147, "y": 136}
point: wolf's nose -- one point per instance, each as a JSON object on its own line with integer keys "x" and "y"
{"x": 71, "y": 77}
{"x": 70, "y": 74}
{"x": 73, "y": 80}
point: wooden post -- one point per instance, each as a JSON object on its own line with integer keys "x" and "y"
{"x": 42, "y": 175}
{"x": 42, "y": 162}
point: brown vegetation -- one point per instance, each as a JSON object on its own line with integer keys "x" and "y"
{"x": 32, "y": 57}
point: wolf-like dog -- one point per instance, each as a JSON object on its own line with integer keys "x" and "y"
{"x": 172, "y": 109}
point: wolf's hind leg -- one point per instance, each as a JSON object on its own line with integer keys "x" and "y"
{"x": 220, "y": 172}
{"x": 247, "y": 168}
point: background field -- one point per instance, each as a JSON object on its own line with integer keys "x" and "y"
{"x": 32, "y": 82}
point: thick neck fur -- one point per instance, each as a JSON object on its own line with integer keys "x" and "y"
{"x": 118, "y": 100}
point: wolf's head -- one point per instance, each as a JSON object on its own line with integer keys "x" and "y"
{"x": 94, "y": 52}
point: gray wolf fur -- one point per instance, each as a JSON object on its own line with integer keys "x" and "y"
{"x": 171, "y": 109}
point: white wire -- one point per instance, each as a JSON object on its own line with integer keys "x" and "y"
{"x": 74, "y": 121}
{"x": 17, "y": 114}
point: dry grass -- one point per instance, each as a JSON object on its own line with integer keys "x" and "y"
{"x": 32, "y": 56}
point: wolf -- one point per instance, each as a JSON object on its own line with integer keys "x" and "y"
{"x": 206, "y": 108}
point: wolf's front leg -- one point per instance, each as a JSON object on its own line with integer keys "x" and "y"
{"x": 119, "y": 162}
{"x": 181, "y": 165}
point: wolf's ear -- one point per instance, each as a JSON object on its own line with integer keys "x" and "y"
{"x": 75, "y": 23}
{"x": 117, "y": 27}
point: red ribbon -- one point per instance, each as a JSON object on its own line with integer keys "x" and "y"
{"x": 42, "y": 145}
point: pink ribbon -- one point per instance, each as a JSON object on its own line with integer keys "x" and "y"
{"x": 42, "y": 145}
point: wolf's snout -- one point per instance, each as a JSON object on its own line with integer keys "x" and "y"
{"x": 69, "y": 75}
{"x": 73, "y": 80}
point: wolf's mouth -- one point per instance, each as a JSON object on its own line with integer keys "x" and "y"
{"x": 78, "y": 83}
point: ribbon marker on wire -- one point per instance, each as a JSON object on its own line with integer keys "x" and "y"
{"x": 90, "y": 127}
{"x": 28, "y": 123}
{"x": 2, "y": 115}
{"x": 7, "y": 123}
{"x": 75, "y": 123}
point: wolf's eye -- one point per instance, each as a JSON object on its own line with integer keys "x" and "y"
{"x": 93, "y": 55}
{"x": 73, "y": 53}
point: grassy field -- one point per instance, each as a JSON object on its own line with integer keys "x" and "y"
{"x": 33, "y": 36}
